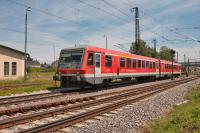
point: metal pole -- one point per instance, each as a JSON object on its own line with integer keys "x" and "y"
{"x": 106, "y": 42}
{"x": 172, "y": 69}
{"x": 172, "y": 56}
{"x": 137, "y": 31}
{"x": 154, "y": 40}
{"x": 177, "y": 57}
{"x": 188, "y": 65}
{"x": 184, "y": 62}
{"x": 25, "y": 47}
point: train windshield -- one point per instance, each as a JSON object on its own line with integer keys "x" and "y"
{"x": 71, "y": 59}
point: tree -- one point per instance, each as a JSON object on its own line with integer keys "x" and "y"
{"x": 166, "y": 53}
{"x": 29, "y": 58}
{"x": 143, "y": 49}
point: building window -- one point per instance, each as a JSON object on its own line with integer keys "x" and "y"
{"x": 143, "y": 64}
{"x": 122, "y": 62}
{"x": 134, "y": 63}
{"x": 128, "y": 60}
{"x": 108, "y": 61}
{"x": 90, "y": 59}
{"x": 139, "y": 63}
{"x": 14, "y": 68}
{"x": 6, "y": 68}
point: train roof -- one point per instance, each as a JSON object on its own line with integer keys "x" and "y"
{"x": 117, "y": 53}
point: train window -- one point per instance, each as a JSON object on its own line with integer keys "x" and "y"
{"x": 157, "y": 66}
{"x": 154, "y": 65}
{"x": 90, "y": 59}
{"x": 143, "y": 64}
{"x": 108, "y": 61}
{"x": 174, "y": 67}
{"x": 122, "y": 62}
{"x": 134, "y": 63}
{"x": 147, "y": 64}
{"x": 151, "y": 65}
{"x": 97, "y": 60}
{"x": 139, "y": 63}
{"x": 128, "y": 62}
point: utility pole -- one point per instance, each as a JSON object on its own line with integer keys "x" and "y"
{"x": 54, "y": 52}
{"x": 172, "y": 56}
{"x": 177, "y": 57}
{"x": 188, "y": 67}
{"x": 137, "y": 31}
{"x": 106, "y": 41}
{"x": 25, "y": 47}
{"x": 184, "y": 62}
{"x": 154, "y": 42}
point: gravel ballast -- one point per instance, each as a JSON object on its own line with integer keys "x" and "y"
{"x": 131, "y": 118}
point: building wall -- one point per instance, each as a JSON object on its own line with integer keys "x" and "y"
{"x": 11, "y": 56}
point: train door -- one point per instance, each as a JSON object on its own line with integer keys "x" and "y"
{"x": 158, "y": 68}
{"x": 97, "y": 73}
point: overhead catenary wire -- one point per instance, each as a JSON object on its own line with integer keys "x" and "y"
{"x": 171, "y": 29}
{"x": 66, "y": 19}
{"x": 44, "y": 12}
{"x": 114, "y": 7}
{"x": 103, "y": 10}
{"x": 145, "y": 27}
{"x": 92, "y": 6}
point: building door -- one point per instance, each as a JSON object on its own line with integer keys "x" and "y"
{"x": 97, "y": 73}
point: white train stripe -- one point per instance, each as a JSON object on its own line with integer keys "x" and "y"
{"x": 126, "y": 74}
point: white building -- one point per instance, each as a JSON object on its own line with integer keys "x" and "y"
{"x": 11, "y": 63}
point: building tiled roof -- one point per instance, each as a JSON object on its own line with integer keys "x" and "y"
{"x": 12, "y": 49}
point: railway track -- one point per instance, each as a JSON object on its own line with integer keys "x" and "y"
{"x": 45, "y": 105}
{"x": 112, "y": 102}
{"x": 7, "y": 101}
{"x": 42, "y": 96}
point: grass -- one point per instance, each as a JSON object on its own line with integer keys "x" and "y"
{"x": 29, "y": 89}
{"x": 45, "y": 78}
{"x": 184, "y": 118}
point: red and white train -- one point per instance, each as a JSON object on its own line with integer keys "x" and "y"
{"x": 93, "y": 65}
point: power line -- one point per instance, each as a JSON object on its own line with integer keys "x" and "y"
{"x": 171, "y": 29}
{"x": 65, "y": 19}
{"x": 129, "y": 17}
{"x": 155, "y": 32}
{"x": 195, "y": 28}
{"x": 114, "y": 7}
{"x": 90, "y": 5}
{"x": 12, "y": 30}
{"x": 98, "y": 8}
{"x": 44, "y": 12}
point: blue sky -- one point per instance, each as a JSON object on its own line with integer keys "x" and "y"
{"x": 64, "y": 23}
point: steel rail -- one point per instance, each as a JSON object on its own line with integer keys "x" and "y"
{"x": 27, "y": 118}
{"x": 65, "y": 102}
{"x": 36, "y": 97}
{"x": 90, "y": 114}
